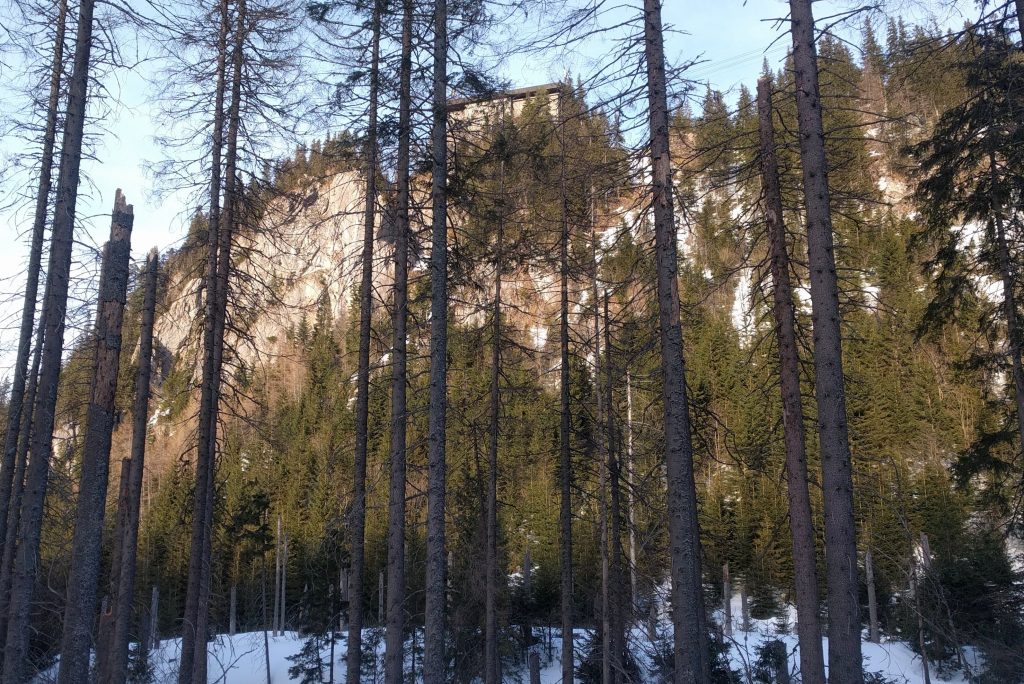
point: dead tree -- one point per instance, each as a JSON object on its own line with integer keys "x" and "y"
{"x": 87, "y": 540}
{"x": 395, "y": 632}
{"x": 207, "y": 403}
{"x": 112, "y": 652}
{"x": 25, "y": 334}
{"x": 357, "y": 522}
{"x": 844, "y": 652}
{"x": 805, "y": 577}
{"x": 436, "y": 599}
{"x": 690, "y": 645}
{"x": 55, "y": 306}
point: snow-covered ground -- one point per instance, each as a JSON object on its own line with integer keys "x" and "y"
{"x": 243, "y": 659}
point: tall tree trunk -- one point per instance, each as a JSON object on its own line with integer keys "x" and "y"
{"x": 357, "y": 522}
{"x": 602, "y": 440}
{"x": 113, "y": 668}
{"x": 805, "y": 578}
{"x": 18, "y": 486}
{"x": 869, "y": 572}
{"x": 492, "y": 664}
{"x": 630, "y": 495}
{"x": 208, "y": 402}
{"x": 395, "y": 633}
{"x": 55, "y": 306}
{"x": 87, "y": 540}
{"x": 434, "y": 658}
{"x": 844, "y": 652}
{"x": 565, "y": 415}
{"x": 233, "y": 209}
{"x": 17, "y": 403}
{"x": 690, "y": 643}
{"x": 618, "y": 635}
{"x": 1008, "y": 280}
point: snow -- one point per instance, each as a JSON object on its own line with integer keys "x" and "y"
{"x": 242, "y": 659}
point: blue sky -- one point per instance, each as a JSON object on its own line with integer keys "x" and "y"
{"x": 731, "y": 36}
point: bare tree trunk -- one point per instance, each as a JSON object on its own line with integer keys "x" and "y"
{"x": 14, "y": 506}
{"x": 690, "y": 644}
{"x": 87, "y": 540}
{"x": 231, "y": 218}
{"x": 603, "y": 446}
{"x": 154, "y": 616}
{"x": 1013, "y": 332}
{"x": 492, "y": 665}
{"x": 565, "y": 418}
{"x": 805, "y": 578}
{"x": 114, "y": 665}
{"x": 18, "y": 395}
{"x": 277, "y": 578}
{"x": 618, "y": 635}
{"x": 434, "y": 658}
{"x": 869, "y": 571}
{"x": 357, "y": 524}
{"x": 921, "y": 644}
{"x": 726, "y": 601}
{"x": 55, "y": 306}
{"x": 630, "y": 495}
{"x": 395, "y": 633}
{"x": 207, "y": 406}
{"x": 844, "y": 651}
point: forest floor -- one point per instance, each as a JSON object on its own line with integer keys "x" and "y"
{"x": 243, "y": 658}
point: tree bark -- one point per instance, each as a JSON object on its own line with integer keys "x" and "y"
{"x": 231, "y": 218}
{"x": 726, "y": 601}
{"x": 357, "y": 524}
{"x": 434, "y": 657}
{"x": 55, "y": 305}
{"x": 844, "y": 652}
{"x": 618, "y": 635}
{"x": 18, "y": 395}
{"x": 87, "y": 540}
{"x": 126, "y": 531}
{"x": 395, "y": 633}
{"x": 492, "y": 664}
{"x": 208, "y": 401}
{"x": 805, "y": 577}
{"x": 630, "y": 495}
{"x": 565, "y": 417}
{"x": 869, "y": 571}
{"x": 14, "y": 506}
{"x": 690, "y": 644}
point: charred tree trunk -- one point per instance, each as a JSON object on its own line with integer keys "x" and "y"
{"x": 87, "y": 540}
{"x": 113, "y": 667}
{"x": 805, "y": 577}
{"x": 492, "y": 664}
{"x": 565, "y": 419}
{"x": 357, "y": 523}
{"x": 395, "y": 633}
{"x": 690, "y": 645}
{"x": 55, "y": 307}
{"x": 436, "y": 599}
{"x": 844, "y": 652}
{"x": 208, "y": 401}
{"x": 35, "y": 255}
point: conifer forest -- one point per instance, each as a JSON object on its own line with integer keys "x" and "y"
{"x": 484, "y": 341}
